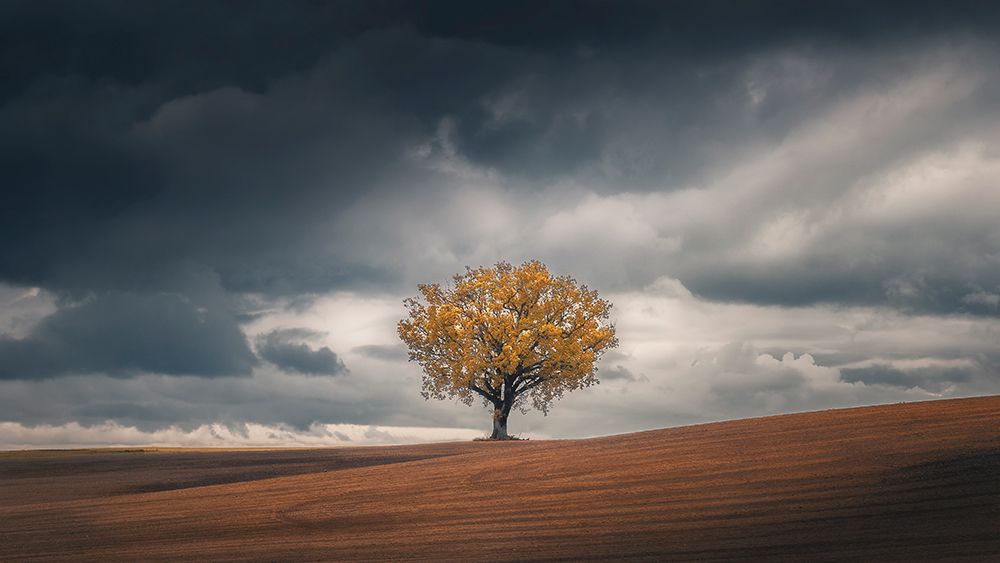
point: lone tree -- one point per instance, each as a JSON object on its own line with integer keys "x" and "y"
{"x": 511, "y": 336}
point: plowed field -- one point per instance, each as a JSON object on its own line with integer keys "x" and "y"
{"x": 918, "y": 481}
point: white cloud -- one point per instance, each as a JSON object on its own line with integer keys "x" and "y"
{"x": 110, "y": 434}
{"x": 21, "y": 308}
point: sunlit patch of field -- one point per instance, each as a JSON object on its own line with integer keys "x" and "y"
{"x": 917, "y": 481}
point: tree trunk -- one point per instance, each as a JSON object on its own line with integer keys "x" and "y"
{"x": 500, "y": 423}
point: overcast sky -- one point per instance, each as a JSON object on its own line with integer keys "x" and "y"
{"x": 211, "y": 212}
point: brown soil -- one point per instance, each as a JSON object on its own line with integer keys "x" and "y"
{"x": 917, "y": 481}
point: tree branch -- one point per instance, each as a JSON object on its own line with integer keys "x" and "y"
{"x": 489, "y": 385}
{"x": 487, "y": 396}
{"x": 531, "y": 385}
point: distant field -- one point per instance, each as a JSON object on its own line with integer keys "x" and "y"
{"x": 918, "y": 481}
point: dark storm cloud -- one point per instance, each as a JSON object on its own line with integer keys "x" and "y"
{"x": 125, "y": 334}
{"x": 285, "y": 348}
{"x": 144, "y": 138}
{"x": 620, "y": 373}
{"x": 611, "y": 368}
{"x": 934, "y": 379}
{"x": 838, "y": 280}
{"x": 387, "y": 353}
{"x": 202, "y": 46}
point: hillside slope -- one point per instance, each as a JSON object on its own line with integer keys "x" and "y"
{"x": 918, "y": 481}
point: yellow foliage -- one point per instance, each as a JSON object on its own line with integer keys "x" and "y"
{"x": 507, "y": 333}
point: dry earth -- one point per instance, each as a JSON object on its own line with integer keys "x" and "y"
{"x": 917, "y": 481}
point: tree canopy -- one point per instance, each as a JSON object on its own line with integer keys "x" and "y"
{"x": 513, "y": 336}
